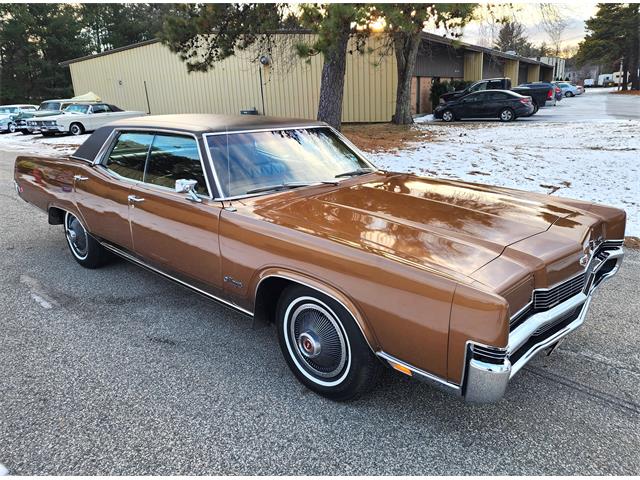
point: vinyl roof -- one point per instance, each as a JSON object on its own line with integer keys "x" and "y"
{"x": 212, "y": 123}
{"x": 188, "y": 123}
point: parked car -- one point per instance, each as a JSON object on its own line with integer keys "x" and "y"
{"x": 553, "y": 93}
{"x": 454, "y": 283}
{"x": 503, "y": 104}
{"x": 79, "y": 118}
{"x": 45, "y": 109}
{"x": 538, "y": 94}
{"x": 8, "y": 114}
{"x": 568, "y": 90}
{"x": 580, "y": 89}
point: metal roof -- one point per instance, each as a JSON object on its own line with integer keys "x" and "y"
{"x": 430, "y": 37}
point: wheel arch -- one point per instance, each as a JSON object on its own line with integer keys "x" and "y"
{"x": 270, "y": 283}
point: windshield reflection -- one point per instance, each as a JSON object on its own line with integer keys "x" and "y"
{"x": 253, "y": 161}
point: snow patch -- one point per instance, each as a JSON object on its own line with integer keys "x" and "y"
{"x": 597, "y": 162}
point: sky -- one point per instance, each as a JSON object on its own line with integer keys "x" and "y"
{"x": 528, "y": 14}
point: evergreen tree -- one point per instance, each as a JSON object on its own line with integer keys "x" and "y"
{"x": 405, "y": 23}
{"x": 613, "y": 34}
{"x": 512, "y": 38}
{"x": 34, "y": 38}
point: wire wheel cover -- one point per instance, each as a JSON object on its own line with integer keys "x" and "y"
{"x": 318, "y": 340}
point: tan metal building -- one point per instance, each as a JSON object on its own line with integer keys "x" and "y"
{"x": 147, "y": 76}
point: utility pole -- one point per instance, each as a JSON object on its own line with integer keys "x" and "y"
{"x": 620, "y": 73}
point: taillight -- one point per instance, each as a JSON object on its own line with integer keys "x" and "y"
{"x": 525, "y": 100}
{"x": 557, "y": 89}
{"x": 550, "y": 94}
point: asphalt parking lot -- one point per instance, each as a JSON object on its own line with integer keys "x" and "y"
{"x": 118, "y": 371}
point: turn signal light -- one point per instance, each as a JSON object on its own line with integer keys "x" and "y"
{"x": 401, "y": 368}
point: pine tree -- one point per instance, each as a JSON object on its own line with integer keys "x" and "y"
{"x": 512, "y": 38}
{"x": 613, "y": 34}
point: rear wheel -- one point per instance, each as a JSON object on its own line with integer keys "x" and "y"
{"x": 507, "y": 115}
{"x": 84, "y": 248}
{"x": 568, "y": 94}
{"x": 76, "y": 129}
{"x": 448, "y": 116}
{"x": 323, "y": 345}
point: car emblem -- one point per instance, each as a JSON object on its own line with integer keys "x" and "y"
{"x": 584, "y": 260}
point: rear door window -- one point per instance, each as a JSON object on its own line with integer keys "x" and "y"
{"x": 175, "y": 157}
{"x": 128, "y": 156}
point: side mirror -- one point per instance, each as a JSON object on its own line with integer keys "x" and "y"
{"x": 188, "y": 187}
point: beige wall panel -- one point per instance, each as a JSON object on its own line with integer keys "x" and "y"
{"x": 473, "y": 66}
{"x": 291, "y": 85}
{"x": 511, "y": 69}
{"x": 533, "y": 73}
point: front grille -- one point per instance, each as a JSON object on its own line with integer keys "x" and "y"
{"x": 546, "y": 299}
{"x": 489, "y": 354}
{"x": 543, "y": 300}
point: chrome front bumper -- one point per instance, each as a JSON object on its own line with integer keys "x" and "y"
{"x": 488, "y": 370}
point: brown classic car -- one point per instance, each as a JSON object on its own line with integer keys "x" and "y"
{"x": 454, "y": 283}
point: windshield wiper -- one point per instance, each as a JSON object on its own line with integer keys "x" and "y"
{"x": 281, "y": 186}
{"x": 353, "y": 173}
{"x": 289, "y": 185}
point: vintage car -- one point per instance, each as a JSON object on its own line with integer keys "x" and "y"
{"x": 8, "y": 113}
{"x": 454, "y": 283}
{"x": 79, "y": 118}
{"x": 45, "y": 109}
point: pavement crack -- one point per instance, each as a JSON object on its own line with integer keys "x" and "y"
{"x": 606, "y": 398}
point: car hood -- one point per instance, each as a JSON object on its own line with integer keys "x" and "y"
{"x": 448, "y": 226}
{"x": 45, "y": 113}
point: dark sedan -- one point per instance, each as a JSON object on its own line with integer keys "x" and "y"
{"x": 502, "y": 104}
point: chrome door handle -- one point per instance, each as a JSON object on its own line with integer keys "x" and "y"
{"x": 134, "y": 199}
{"x": 80, "y": 178}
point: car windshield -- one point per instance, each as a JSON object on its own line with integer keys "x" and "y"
{"x": 252, "y": 161}
{"x": 49, "y": 106}
{"x": 77, "y": 108}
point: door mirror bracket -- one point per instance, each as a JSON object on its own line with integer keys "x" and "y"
{"x": 188, "y": 187}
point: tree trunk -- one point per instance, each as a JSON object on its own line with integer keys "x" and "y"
{"x": 332, "y": 80}
{"x": 406, "y": 47}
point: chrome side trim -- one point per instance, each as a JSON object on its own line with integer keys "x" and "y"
{"x": 255, "y": 295}
{"x": 422, "y": 375}
{"x": 137, "y": 261}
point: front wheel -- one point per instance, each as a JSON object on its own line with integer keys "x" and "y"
{"x": 323, "y": 345}
{"x": 76, "y": 129}
{"x": 84, "y": 248}
{"x": 12, "y": 127}
{"x": 448, "y": 116}
{"x": 507, "y": 115}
